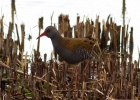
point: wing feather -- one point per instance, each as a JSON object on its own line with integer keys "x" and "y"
{"x": 74, "y": 43}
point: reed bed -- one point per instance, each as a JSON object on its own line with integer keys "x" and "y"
{"x": 111, "y": 74}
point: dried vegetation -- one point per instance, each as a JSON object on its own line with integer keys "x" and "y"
{"x": 111, "y": 74}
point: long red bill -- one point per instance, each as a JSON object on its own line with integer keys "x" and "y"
{"x": 43, "y": 34}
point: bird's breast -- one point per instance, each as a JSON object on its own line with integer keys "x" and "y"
{"x": 68, "y": 55}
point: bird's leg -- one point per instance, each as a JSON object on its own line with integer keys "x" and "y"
{"x": 86, "y": 67}
{"x": 65, "y": 72}
{"x": 76, "y": 77}
{"x": 61, "y": 63}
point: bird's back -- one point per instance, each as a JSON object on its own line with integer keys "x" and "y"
{"x": 74, "y": 43}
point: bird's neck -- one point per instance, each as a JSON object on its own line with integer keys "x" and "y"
{"x": 56, "y": 42}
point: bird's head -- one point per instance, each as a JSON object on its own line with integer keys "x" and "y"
{"x": 50, "y": 32}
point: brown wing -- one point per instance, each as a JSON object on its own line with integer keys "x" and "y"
{"x": 74, "y": 43}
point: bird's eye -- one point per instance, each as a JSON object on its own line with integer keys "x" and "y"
{"x": 48, "y": 30}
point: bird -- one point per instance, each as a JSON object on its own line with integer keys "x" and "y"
{"x": 71, "y": 50}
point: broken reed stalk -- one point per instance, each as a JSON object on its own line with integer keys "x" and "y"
{"x": 131, "y": 43}
{"x": 1, "y": 34}
{"x": 123, "y": 11}
{"x": 97, "y": 28}
{"x": 9, "y": 35}
{"x": 13, "y": 11}
{"x": 63, "y": 23}
{"x": 40, "y": 26}
{"x": 18, "y": 40}
{"x": 122, "y": 39}
{"x": 14, "y": 59}
{"x": 21, "y": 49}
